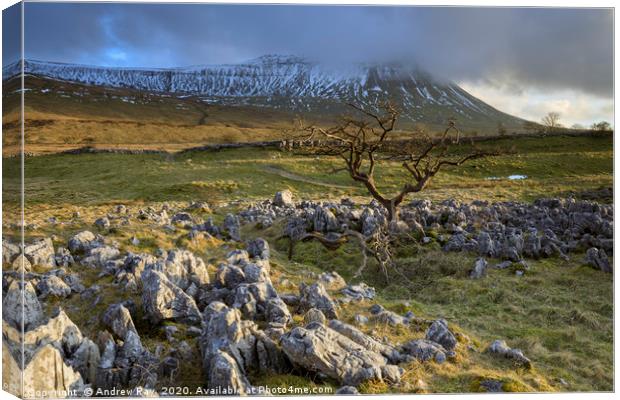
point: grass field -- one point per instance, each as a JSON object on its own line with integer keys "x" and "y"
{"x": 554, "y": 166}
{"x": 560, "y": 313}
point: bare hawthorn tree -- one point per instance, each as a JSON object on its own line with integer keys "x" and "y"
{"x": 367, "y": 140}
{"x": 551, "y": 121}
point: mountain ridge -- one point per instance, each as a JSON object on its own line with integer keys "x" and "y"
{"x": 291, "y": 83}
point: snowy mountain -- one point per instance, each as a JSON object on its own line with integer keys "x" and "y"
{"x": 288, "y": 82}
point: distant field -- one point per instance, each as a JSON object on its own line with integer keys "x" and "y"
{"x": 554, "y": 166}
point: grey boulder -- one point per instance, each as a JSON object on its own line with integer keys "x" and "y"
{"x": 163, "y": 300}
{"x": 438, "y": 332}
{"x": 315, "y": 296}
{"x": 318, "y": 348}
{"x": 499, "y": 347}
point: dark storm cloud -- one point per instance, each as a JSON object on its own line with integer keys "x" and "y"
{"x": 11, "y": 34}
{"x": 514, "y": 48}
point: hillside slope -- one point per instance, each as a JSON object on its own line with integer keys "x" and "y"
{"x": 250, "y": 101}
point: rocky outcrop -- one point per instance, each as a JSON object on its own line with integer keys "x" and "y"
{"x": 358, "y": 292}
{"x": 82, "y": 242}
{"x": 324, "y": 220}
{"x": 314, "y": 315}
{"x": 598, "y": 259}
{"x": 438, "y": 332}
{"x": 41, "y": 253}
{"x": 58, "y": 360}
{"x": 126, "y": 364}
{"x": 318, "y": 348}
{"x": 232, "y": 227}
{"x": 259, "y": 249}
{"x": 389, "y": 318}
{"x": 163, "y": 300}
{"x": 224, "y": 375}
{"x": 479, "y": 270}
{"x": 184, "y": 269}
{"x": 102, "y": 223}
{"x": 97, "y": 257}
{"x": 508, "y": 230}
{"x": 53, "y": 286}
{"x": 182, "y": 219}
{"x": 9, "y": 252}
{"x": 366, "y": 341}
{"x": 118, "y": 319}
{"x": 14, "y": 302}
{"x": 315, "y": 296}
{"x": 425, "y": 350}
{"x": 283, "y": 199}
{"x": 332, "y": 280}
{"x": 231, "y": 347}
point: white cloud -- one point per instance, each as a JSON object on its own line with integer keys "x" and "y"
{"x": 575, "y": 107}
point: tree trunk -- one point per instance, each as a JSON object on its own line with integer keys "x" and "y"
{"x": 392, "y": 210}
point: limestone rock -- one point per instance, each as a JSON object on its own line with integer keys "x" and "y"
{"x": 183, "y": 268}
{"x": 277, "y": 313}
{"x": 390, "y": 318}
{"x": 41, "y": 253}
{"x": 97, "y": 257}
{"x": 12, "y": 305}
{"x": 438, "y": 332}
{"x": 324, "y": 220}
{"x": 347, "y": 390}
{"x": 119, "y": 320}
{"x": 53, "y": 286}
{"x": 74, "y": 282}
{"x": 86, "y": 360}
{"x": 183, "y": 219}
{"x": 359, "y": 292}
{"x": 232, "y": 226}
{"x": 500, "y": 347}
{"x": 81, "y": 242}
{"x": 284, "y": 199}
{"x": 425, "y": 350}
{"x": 366, "y": 341}
{"x": 486, "y": 245}
{"x": 314, "y": 315}
{"x": 9, "y": 251}
{"x": 102, "y": 223}
{"x": 47, "y": 372}
{"x": 597, "y": 258}
{"x": 163, "y": 300}
{"x": 223, "y": 331}
{"x": 224, "y": 374}
{"x": 21, "y": 262}
{"x": 318, "y": 348}
{"x": 315, "y": 296}
{"x": 55, "y": 354}
{"x": 238, "y": 257}
{"x": 332, "y": 280}
{"x": 259, "y": 248}
{"x": 479, "y": 270}
{"x": 63, "y": 257}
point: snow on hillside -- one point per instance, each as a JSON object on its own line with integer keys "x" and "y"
{"x": 276, "y": 76}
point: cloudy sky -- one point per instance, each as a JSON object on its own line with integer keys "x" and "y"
{"x": 525, "y": 61}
